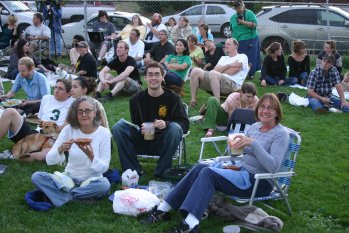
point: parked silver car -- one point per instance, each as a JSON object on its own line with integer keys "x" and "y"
{"x": 304, "y": 22}
{"x": 118, "y": 18}
{"x": 216, "y": 16}
{"x": 23, "y": 12}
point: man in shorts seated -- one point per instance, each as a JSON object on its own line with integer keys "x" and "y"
{"x": 127, "y": 80}
{"x": 53, "y": 108}
{"x": 227, "y": 76}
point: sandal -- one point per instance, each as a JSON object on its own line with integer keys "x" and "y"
{"x": 202, "y": 110}
{"x": 209, "y": 133}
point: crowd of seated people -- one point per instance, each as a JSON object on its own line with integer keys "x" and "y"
{"x": 219, "y": 70}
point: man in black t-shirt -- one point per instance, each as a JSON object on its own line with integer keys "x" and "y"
{"x": 165, "y": 111}
{"x": 160, "y": 50}
{"x": 128, "y": 79}
{"x": 212, "y": 55}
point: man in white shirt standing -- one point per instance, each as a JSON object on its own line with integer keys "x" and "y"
{"x": 153, "y": 29}
{"x": 227, "y": 76}
{"x": 37, "y": 31}
{"x": 136, "y": 46}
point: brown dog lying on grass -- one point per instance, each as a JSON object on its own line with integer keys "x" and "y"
{"x": 36, "y": 142}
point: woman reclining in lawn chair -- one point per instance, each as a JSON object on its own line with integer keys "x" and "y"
{"x": 264, "y": 146}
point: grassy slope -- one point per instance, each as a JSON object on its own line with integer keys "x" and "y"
{"x": 318, "y": 195}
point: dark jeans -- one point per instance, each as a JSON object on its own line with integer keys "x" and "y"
{"x": 274, "y": 80}
{"x": 130, "y": 142}
{"x": 194, "y": 192}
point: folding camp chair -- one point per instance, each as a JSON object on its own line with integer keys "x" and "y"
{"x": 239, "y": 122}
{"x": 281, "y": 180}
{"x": 5, "y": 55}
{"x": 180, "y": 155}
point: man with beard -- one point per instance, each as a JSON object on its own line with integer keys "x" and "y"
{"x": 153, "y": 29}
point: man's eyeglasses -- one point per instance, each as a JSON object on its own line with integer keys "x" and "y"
{"x": 87, "y": 111}
{"x": 150, "y": 75}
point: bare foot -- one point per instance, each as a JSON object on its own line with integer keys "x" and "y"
{"x": 193, "y": 103}
{"x": 263, "y": 83}
{"x": 209, "y": 133}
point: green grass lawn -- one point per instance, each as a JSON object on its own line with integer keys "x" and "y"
{"x": 318, "y": 196}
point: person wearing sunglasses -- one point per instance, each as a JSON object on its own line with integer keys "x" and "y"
{"x": 82, "y": 145}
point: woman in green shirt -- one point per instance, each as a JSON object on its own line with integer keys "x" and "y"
{"x": 178, "y": 64}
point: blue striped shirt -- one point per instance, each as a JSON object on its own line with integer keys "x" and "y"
{"x": 267, "y": 151}
{"x": 37, "y": 88}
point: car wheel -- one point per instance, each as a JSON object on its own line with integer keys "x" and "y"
{"x": 267, "y": 41}
{"x": 76, "y": 18}
{"x": 21, "y": 28}
{"x": 225, "y": 30}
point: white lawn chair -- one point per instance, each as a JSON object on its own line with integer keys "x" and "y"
{"x": 281, "y": 180}
{"x": 239, "y": 122}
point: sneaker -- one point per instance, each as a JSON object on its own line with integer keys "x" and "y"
{"x": 184, "y": 228}
{"x": 6, "y": 154}
{"x": 105, "y": 98}
{"x": 250, "y": 77}
{"x": 155, "y": 216}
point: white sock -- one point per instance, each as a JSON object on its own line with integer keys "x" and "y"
{"x": 191, "y": 220}
{"x": 164, "y": 207}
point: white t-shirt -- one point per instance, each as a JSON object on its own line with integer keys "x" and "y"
{"x": 41, "y": 30}
{"x": 135, "y": 50}
{"x": 54, "y": 110}
{"x": 79, "y": 166}
{"x": 153, "y": 38}
{"x": 240, "y": 76}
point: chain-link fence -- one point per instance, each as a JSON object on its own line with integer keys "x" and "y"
{"x": 277, "y": 21}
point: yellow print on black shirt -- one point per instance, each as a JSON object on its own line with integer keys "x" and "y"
{"x": 162, "y": 111}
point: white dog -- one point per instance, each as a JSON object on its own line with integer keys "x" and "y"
{"x": 61, "y": 73}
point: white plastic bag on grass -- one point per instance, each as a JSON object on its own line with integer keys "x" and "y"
{"x": 297, "y": 100}
{"x": 134, "y": 201}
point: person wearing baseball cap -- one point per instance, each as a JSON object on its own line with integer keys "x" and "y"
{"x": 320, "y": 83}
{"x": 86, "y": 64}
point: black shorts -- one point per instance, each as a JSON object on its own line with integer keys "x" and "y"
{"x": 22, "y": 132}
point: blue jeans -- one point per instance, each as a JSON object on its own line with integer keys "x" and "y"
{"x": 274, "y": 80}
{"x": 302, "y": 78}
{"x": 194, "y": 192}
{"x": 171, "y": 78}
{"x": 58, "y": 38}
{"x": 58, "y": 197}
{"x": 131, "y": 142}
{"x": 336, "y": 103}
